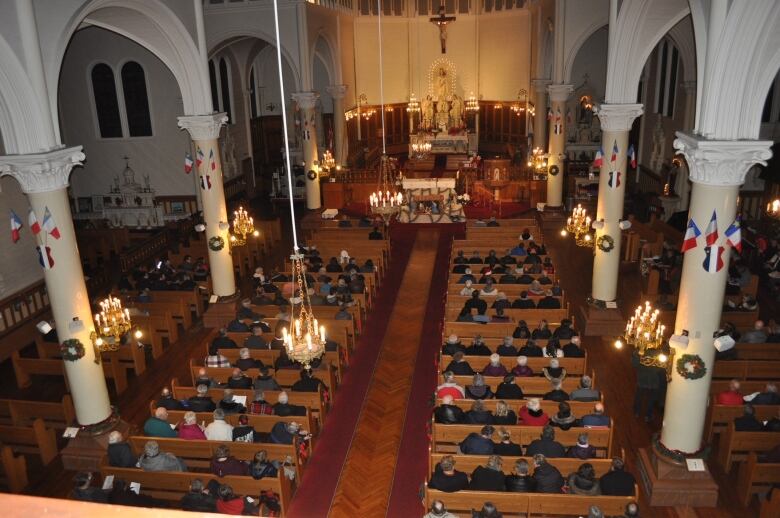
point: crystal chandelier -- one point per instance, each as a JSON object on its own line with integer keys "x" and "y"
{"x": 413, "y": 106}
{"x": 111, "y": 324}
{"x": 421, "y": 147}
{"x": 328, "y": 162}
{"x": 522, "y": 104}
{"x": 304, "y": 342}
{"x": 537, "y": 162}
{"x": 579, "y": 225}
{"x": 243, "y": 225}
{"x": 385, "y": 201}
{"x": 645, "y": 333}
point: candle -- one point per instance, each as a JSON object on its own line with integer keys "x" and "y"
{"x": 322, "y": 334}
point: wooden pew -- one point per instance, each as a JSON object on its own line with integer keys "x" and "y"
{"x": 14, "y": 475}
{"x": 466, "y": 330}
{"x": 747, "y": 351}
{"x": 573, "y": 366}
{"x": 172, "y": 486}
{"x": 155, "y": 328}
{"x": 326, "y": 314}
{"x": 22, "y": 413}
{"x": 285, "y": 377}
{"x": 578, "y": 408}
{"x": 720, "y": 416}
{"x": 754, "y": 477}
{"x": 25, "y": 367}
{"x": 746, "y": 386}
{"x": 35, "y": 439}
{"x": 468, "y": 463}
{"x": 735, "y": 446}
{"x": 178, "y": 309}
{"x": 536, "y": 386}
{"x": 447, "y": 437}
{"x": 130, "y": 357}
{"x": 746, "y": 370}
{"x": 192, "y": 297}
{"x": 268, "y": 356}
{"x": 531, "y": 316}
{"x": 770, "y": 508}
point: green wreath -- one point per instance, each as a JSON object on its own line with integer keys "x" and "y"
{"x": 72, "y": 350}
{"x": 605, "y": 243}
{"x": 554, "y": 170}
{"x": 216, "y": 243}
{"x": 691, "y": 367}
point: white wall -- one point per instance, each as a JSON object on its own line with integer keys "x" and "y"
{"x": 161, "y": 156}
{"x": 592, "y": 60}
{"x": 19, "y": 265}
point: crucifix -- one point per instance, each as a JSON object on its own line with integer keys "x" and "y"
{"x": 442, "y": 20}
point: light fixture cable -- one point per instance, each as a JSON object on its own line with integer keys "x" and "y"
{"x": 381, "y": 74}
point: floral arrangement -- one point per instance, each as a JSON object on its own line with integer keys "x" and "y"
{"x": 72, "y": 350}
{"x": 691, "y": 367}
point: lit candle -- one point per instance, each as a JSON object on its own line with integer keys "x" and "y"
{"x": 322, "y": 334}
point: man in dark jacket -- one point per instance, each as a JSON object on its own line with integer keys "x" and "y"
{"x": 531, "y": 350}
{"x": 479, "y": 444}
{"x": 617, "y": 482}
{"x": 508, "y": 389}
{"x": 546, "y": 445}
{"x": 452, "y": 345}
{"x": 120, "y": 455}
{"x": 488, "y": 478}
{"x": 84, "y": 491}
{"x": 520, "y": 481}
{"x": 476, "y": 303}
{"x": 229, "y": 405}
{"x": 283, "y": 408}
{"x": 547, "y": 477}
{"x": 549, "y": 302}
{"x": 768, "y": 397}
{"x": 459, "y": 366}
{"x": 572, "y": 349}
{"x": 168, "y": 402}
{"x": 197, "y": 499}
{"x": 446, "y": 478}
{"x": 748, "y": 422}
{"x": 557, "y": 393}
{"x": 201, "y": 402}
{"x": 308, "y": 383}
{"x": 564, "y": 331}
{"x": 239, "y": 380}
{"x": 222, "y": 341}
{"x": 523, "y": 302}
{"x": 447, "y": 413}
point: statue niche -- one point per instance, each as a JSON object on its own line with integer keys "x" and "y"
{"x": 442, "y": 109}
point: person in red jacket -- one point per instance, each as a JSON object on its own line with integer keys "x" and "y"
{"x": 732, "y": 396}
{"x": 230, "y": 503}
{"x": 532, "y": 414}
{"x": 190, "y": 429}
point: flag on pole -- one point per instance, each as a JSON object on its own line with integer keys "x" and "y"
{"x": 49, "y": 225}
{"x": 691, "y": 233}
{"x": 199, "y": 157}
{"x": 713, "y": 262}
{"x": 558, "y": 127}
{"x": 212, "y": 162}
{"x": 614, "y": 152}
{"x": 632, "y": 156}
{"x": 599, "y": 160}
{"x": 32, "y": 222}
{"x": 188, "y": 162}
{"x": 46, "y": 259}
{"x": 711, "y": 234}
{"x": 549, "y": 114}
{"x": 734, "y": 235}
{"x": 16, "y": 225}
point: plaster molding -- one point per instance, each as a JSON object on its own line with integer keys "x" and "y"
{"x": 203, "y": 127}
{"x": 306, "y": 100}
{"x": 42, "y": 172}
{"x": 560, "y": 92}
{"x": 721, "y": 162}
{"x": 337, "y": 91}
{"x": 618, "y": 117}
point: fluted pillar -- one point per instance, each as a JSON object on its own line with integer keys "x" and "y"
{"x": 44, "y": 178}
{"x": 717, "y": 169}
{"x": 337, "y": 92}
{"x": 307, "y": 102}
{"x": 616, "y": 121}
{"x": 540, "y": 118}
{"x": 559, "y": 94}
{"x": 204, "y": 131}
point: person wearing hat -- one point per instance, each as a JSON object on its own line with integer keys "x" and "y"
{"x": 523, "y": 302}
{"x": 452, "y": 345}
{"x": 522, "y": 369}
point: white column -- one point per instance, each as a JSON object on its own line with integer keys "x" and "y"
{"x": 616, "y": 121}
{"x": 204, "y": 131}
{"x": 306, "y": 102}
{"x": 540, "y": 119}
{"x": 337, "y": 92}
{"x": 717, "y": 169}
{"x": 557, "y": 142}
{"x": 689, "y": 120}
{"x": 44, "y": 178}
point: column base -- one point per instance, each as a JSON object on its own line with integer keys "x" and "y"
{"x": 594, "y": 319}
{"x": 221, "y": 312}
{"x": 667, "y": 481}
{"x": 85, "y": 451}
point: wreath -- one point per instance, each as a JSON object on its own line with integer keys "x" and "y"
{"x": 311, "y": 175}
{"x": 554, "y": 170}
{"x": 216, "y": 243}
{"x": 691, "y": 367}
{"x": 605, "y": 243}
{"x": 72, "y": 350}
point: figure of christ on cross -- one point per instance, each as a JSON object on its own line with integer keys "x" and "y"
{"x": 442, "y": 20}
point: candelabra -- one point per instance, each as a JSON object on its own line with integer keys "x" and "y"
{"x": 773, "y": 208}
{"x": 414, "y": 105}
{"x": 537, "y": 162}
{"x": 385, "y": 201}
{"x": 243, "y": 225}
{"x": 111, "y": 324}
{"x": 328, "y": 162}
{"x": 421, "y": 147}
{"x": 472, "y": 104}
{"x": 579, "y": 225}
{"x": 305, "y": 341}
{"x": 645, "y": 333}
{"x": 522, "y": 104}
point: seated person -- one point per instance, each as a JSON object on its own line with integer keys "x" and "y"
{"x": 459, "y": 366}
{"x": 447, "y": 413}
{"x": 228, "y": 405}
{"x": 261, "y": 467}
{"x": 492, "y": 222}
{"x": 460, "y": 258}
{"x": 548, "y": 301}
{"x": 732, "y": 396}
{"x": 84, "y": 491}
{"x": 167, "y": 401}
{"x": 552, "y": 349}
{"x": 477, "y": 348}
{"x": 245, "y": 311}
{"x": 476, "y": 303}
{"x": 520, "y": 481}
{"x": 531, "y": 349}
{"x": 546, "y": 445}
{"x": 237, "y": 326}
{"x": 488, "y": 290}
{"x": 532, "y": 414}
{"x": 285, "y": 433}
{"x": 618, "y": 481}
{"x": 121, "y": 494}
{"x": 500, "y": 316}
{"x": 478, "y": 414}
{"x": 265, "y": 381}
{"x": 523, "y": 302}
{"x": 446, "y": 478}
{"x": 465, "y": 315}
{"x": 155, "y": 460}
{"x": 504, "y": 415}
{"x": 564, "y": 419}
{"x": 586, "y": 392}
{"x": 246, "y": 362}
{"x": 748, "y": 422}
{"x": 478, "y": 443}
{"x": 222, "y": 341}
{"x": 519, "y": 249}
{"x": 501, "y": 302}
{"x": 584, "y": 481}
{"x": 308, "y": 383}
{"x": 525, "y": 276}
{"x": 768, "y": 397}
{"x": 198, "y": 499}
{"x": 542, "y": 332}
{"x": 508, "y": 389}
{"x": 120, "y": 455}
{"x": 255, "y": 340}
{"x": 522, "y": 370}
{"x": 259, "y": 405}
{"x": 452, "y": 345}
{"x": 478, "y": 388}
{"x": 475, "y": 258}
{"x": 546, "y": 476}
{"x": 230, "y": 503}
{"x": 488, "y": 478}
{"x": 505, "y": 446}
{"x": 564, "y": 331}
{"x": 508, "y": 278}
{"x": 450, "y": 388}
{"x": 495, "y": 367}
{"x": 554, "y": 371}
{"x": 284, "y": 408}
{"x": 467, "y": 290}
{"x": 214, "y": 359}
{"x": 521, "y": 331}
{"x": 223, "y": 463}
{"x": 572, "y": 349}
{"x": 507, "y": 347}
{"x": 158, "y": 426}
{"x": 239, "y": 380}
{"x": 190, "y": 429}
{"x": 597, "y": 418}
{"x": 201, "y": 402}
{"x": 582, "y": 450}
{"x": 536, "y": 288}
{"x": 557, "y": 393}
{"x": 375, "y": 235}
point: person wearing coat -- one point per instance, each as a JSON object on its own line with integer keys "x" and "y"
{"x": 546, "y": 476}
{"x": 447, "y": 413}
{"x": 584, "y": 481}
{"x": 488, "y": 478}
{"x": 520, "y": 481}
{"x": 119, "y": 453}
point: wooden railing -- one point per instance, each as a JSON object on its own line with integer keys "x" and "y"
{"x": 235, "y": 187}
{"x": 23, "y": 306}
{"x": 649, "y": 181}
{"x": 144, "y": 252}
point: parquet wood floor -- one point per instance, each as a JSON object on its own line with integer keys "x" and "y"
{"x": 366, "y": 478}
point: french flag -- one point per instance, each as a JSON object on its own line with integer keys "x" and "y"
{"x": 188, "y": 163}
{"x": 734, "y": 235}
{"x": 632, "y": 156}
{"x": 711, "y": 234}
{"x": 49, "y": 225}
{"x": 199, "y": 156}
{"x": 691, "y": 233}
{"x": 549, "y": 114}
{"x": 16, "y": 225}
{"x": 32, "y": 222}
{"x": 599, "y": 160}
{"x": 614, "y": 152}
{"x": 713, "y": 262}
{"x": 44, "y": 257}
{"x": 212, "y": 161}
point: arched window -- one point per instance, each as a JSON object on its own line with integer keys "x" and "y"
{"x": 214, "y": 91}
{"x": 666, "y": 86}
{"x": 224, "y": 84}
{"x": 252, "y": 93}
{"x": 106, "y": 101}
{"x": 139, "y": 122}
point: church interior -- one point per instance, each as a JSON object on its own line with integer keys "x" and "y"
{"x": 400, "y": 258}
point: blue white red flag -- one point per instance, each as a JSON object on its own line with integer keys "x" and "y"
{"x": 713, "y": 262}
{"x": 614, "y": 152}
{"x": 188, "y": 162}
{"x": 599, "y": 160}
{"x": 734, "y": 235}
{"x": 711, "y": 234}
{"x": 632, "y": 156}
{"x": 691, "y": 233}
{"x": 16, "y": 225}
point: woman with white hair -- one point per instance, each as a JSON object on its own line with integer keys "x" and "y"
{"x": 554, "y": 371}
{"x": 494, "y": 368}
{"x": 120, "y": 455}
{"x": 190, "y": 429}
{"x": 532, "y": 414}
{"x": 522, "y": 369}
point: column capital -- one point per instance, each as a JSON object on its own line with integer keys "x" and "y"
{"x": 337, "y": 91}
{"x": 559, "y": 92}
{"x": 618, "y": 117}
{"x": 203, "y": 127}
{"x": 306, "y": 100}
{"x": 42, "y": 172}
{"x": 721, "y": 162}
{"x": 540, "y": 85}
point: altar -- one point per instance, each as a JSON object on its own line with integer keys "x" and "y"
{"x": 430, "y": 200}
{"x": 445, "y": 143}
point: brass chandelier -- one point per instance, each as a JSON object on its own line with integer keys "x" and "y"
{"x": 578, "y": 224}
{"x": 243, "y": 225}
{"x": 537, "y": 162}
{"x": 645, "y": 333}
{"x": 111, "y": 324}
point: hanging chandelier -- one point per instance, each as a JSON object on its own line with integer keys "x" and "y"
{"x": 328, "y": 162}
{"x": 472, "y": 104}
{"x": 645, "y": 333}
{"x": 537, "y": 162}
{"x": 111, "y": 324}
{"x": 243, "y": 225}
{"x": 421, "y": 147}
{"x": 773, "y": 208}
{"x": 413, "y": 106}
{"x": 578, "y": 224}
